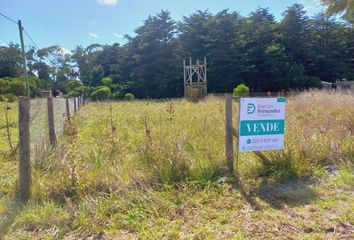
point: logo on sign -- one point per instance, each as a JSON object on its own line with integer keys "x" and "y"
{"x": 251, "y": 108}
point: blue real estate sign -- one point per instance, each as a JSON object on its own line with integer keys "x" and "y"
{"x": 261, "y": 124}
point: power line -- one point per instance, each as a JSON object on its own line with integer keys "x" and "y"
{"x": 31, "y": 39}
{"x": 27, "y": 34}
{"x": 22, "y": 29}
{"x": 8, "y": 18}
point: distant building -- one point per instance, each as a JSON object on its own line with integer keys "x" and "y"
{"x": 345, "y": 86}
{"x": 327, "y": 85}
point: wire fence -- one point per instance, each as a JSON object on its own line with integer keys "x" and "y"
{"x": 168, "y": 119}
{"x": 39, "y": 127}
{"x": 38, "y": 123}
{"x": 44, "y": 121}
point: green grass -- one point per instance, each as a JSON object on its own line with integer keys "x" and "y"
{"x": 12, "y": 111}
{"x": 156, "y": 170}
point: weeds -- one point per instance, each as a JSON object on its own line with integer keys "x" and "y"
{"x": 169, "y": 180}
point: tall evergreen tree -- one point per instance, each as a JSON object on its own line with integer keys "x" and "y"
{"x": 194, "y": 34}
{"x": 295, "y": 34}
{"x": 257, "y": 38}
{"x": 225, "y": 56}
{"x": 328, "y": 49}
{"x": 156, "y": 68}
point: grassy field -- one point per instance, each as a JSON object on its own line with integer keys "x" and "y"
{"x": 156, "y": 170}
{"x": 8, "y": 118}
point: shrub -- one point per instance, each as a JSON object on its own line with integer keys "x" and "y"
{"x": 74, "y": 84}
{"x": 17, "y": 87}
{"x": 3, "y": 86}
{"x": 241, "y": 90}
{"x": 9, "y": 97}
{"x": 107, "y": 81}
{"x": 80, "y": 91}
{"x": 72, "y": 93}
{"x": 101, "y": 94}
{"x": 129, "y": 97}
{"x": 116, "y": 95}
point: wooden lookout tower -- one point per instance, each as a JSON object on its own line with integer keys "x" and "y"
{"x": 195, "y": 79}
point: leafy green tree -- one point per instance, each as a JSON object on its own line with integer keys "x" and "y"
{"x": 294, "y": 53}
{"x": 96, "y": 75}
{"x": 10, "y": 61}
{"x": 60, "y": 65}
{"x": 43, "y": 72}
{"x": 346, "y": 7}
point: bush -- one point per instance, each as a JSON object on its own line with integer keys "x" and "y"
{"x": 129, "y": 97}
{"x": 17, "y": 88}
{"x": 80, "y": 91}
{"x": 36, "y": 86}
{"x": 74, "y": 84}
{"x": 116, "y": 95}
{"x": 101, "y": 94}
{"x": 107, "y": 81}
{"x": 241, "y": 90}
{"x": 72, "y": 93}
{"x": 3, "y": 86}
{"x": 9, "y": 97}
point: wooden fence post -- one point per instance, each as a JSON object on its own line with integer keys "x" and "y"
{"x": 75, "y": 108}
{"x": 229, "y": 146}
{"x": 24, "y": 149}
{"x": 67, "y": 109}
{"x": 52, "y": 137}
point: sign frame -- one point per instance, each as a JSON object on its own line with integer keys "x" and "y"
{"x": 261, "y": 134}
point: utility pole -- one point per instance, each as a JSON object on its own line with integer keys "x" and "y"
{"x": 24, "y": 58}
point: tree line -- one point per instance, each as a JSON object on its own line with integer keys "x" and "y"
{"x": 294, "y": 53}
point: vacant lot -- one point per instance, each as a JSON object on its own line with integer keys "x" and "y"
{"x": 156, "y": 170}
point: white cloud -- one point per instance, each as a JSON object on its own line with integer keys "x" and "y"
{"x": 311, "y": 4}
{"x": 108, "y": 2}
{"x": 95, "y": 35}
{"x": 117, "y": 35}
{"x": 65, "y": 51}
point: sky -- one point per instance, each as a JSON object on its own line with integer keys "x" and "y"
{"x": 69, "y": 23}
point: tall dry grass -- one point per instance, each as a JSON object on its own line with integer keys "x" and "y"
{"x": 114, "y": 173}
{"x": 121, "y": 145}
